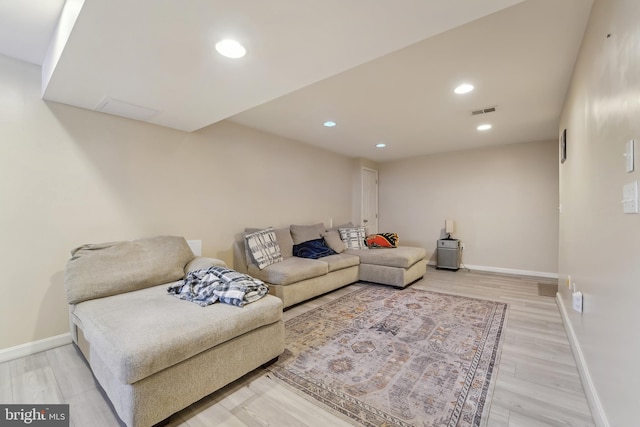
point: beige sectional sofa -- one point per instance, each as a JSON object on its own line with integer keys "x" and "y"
{"x": 295, "y": 279}
{"x": 152, "y": 353}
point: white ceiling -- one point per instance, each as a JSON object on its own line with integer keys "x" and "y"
{"x": 26, "y": 27}
{"x": 383, "y": 71}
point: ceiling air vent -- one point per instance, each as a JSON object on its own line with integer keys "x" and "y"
{"x": 483, "y": 111}
{"x": 125, "y": 109}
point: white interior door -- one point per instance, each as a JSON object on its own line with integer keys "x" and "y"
{"x": 370, "y": 200}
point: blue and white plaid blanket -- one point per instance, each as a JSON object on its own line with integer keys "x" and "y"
{"x": 205, "y": 287}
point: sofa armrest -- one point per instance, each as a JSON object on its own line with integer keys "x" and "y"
{"x": 239, "y": 256}
{"x": 201, "y": 263}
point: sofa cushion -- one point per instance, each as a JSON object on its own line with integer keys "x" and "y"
{"x": 264, "y": 247}
{"x": 167, "y": 330}
{"x": 313, "y": 249}
{"x": 247, "y": 252}
{"x": 290, "y": 270}
{"x": 402, "y": 256}
{"x": 333, "y": 240}
{"x": 340, "y": 261}
{"x": 353, "y": 238}
{"x": 382, "y": 240}
{"x": 105, "y": 269}
{"x": 283, "y": 236}
{"x": 304, "y": 233}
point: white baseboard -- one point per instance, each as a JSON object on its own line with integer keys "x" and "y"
{"x": 507, "y": 270}
{"x": 34, "y": 347}
{"x": 599, "y": 417}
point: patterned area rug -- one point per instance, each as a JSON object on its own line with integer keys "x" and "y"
{"x": 385, "y": 357}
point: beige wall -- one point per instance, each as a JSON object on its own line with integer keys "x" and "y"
{"x": 70, "y": 176}
{"x": 599, "y": 244}
{"x": 504, "y": 201}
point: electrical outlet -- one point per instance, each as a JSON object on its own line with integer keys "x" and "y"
{"x": 577, "y": 301}
{"x": 462, "y": 245}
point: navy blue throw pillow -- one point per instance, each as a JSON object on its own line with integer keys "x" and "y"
{"x": 313, "y": 249}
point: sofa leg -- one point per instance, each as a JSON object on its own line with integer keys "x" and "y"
{"x": 270, "y": 362}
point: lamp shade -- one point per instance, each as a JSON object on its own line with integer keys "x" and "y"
{"x": 448, "y": 226}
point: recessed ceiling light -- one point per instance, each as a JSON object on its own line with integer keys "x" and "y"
{"x": 329, "y": 124}
{"x": 230, "y": 49}
{"x": 484, "y": 127}
{"x": 381, "y": 145}
{"x": 463, "y": 88}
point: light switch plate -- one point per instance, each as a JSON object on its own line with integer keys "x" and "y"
{"x": 629, "y": 155}
{"x": 630, "y": 198}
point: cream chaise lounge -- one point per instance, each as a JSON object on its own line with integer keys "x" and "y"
{"x": 152, "y": 353}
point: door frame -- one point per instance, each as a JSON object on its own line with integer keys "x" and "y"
{"x": 362, "y": 192}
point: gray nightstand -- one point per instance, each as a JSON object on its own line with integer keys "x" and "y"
{"x": 448, "y": 254}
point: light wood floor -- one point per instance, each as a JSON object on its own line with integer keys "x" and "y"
{"x": 537, "y": 382}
